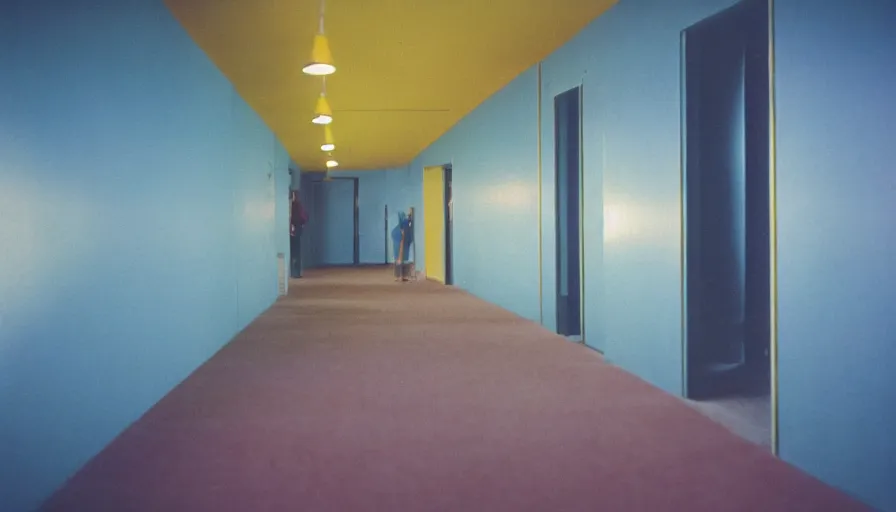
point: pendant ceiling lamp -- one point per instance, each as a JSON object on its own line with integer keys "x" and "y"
{"x": 331, "y": 162}
{"x": 323, "y": 114}
{"x": 321, "y": 63}
{"x": 328, "y": 144}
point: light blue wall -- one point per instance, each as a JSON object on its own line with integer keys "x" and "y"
{"x": 139, "y": 226}
{"x": 835, "y": 77}
{"x": 628, "y": 64}
{"x": 495, "y": 189}
{"x": 835, "y": 111}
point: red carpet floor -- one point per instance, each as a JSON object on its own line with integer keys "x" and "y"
{"x": 359, "y": 394}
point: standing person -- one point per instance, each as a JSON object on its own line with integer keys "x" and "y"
{"x": 297, "y": 219}
{"x": 402, "y": 236}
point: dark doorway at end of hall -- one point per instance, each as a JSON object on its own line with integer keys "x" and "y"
{"x": 332, "y": 237}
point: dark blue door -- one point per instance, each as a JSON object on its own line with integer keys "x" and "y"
{"x": 568, "y": 173}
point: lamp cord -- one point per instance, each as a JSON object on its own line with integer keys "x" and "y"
{"x": 322, "y": 2}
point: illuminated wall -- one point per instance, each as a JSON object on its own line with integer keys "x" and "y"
{"x": 142, "y": 207}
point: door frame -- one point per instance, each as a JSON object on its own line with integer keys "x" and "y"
{"x": 773, "y": 232}
{"x": 448, "y": 179}
{"x": 580, "y": 338}
{"x": 582, "y": 216}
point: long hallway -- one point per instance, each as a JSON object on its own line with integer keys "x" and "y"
{"x": 355, "y": 393}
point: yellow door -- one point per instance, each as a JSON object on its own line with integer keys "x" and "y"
{"x": 434, "y": 222}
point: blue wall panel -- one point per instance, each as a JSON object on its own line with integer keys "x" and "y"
{"x": 562, "y": 71}
{"x": 494, "y": 155}
{"x": 628, "y": 64}
{"x": 331, "y": 235}
{"x": 834, "y": 200}
{"x": 628, "y": 61}
{"x": 139, "y": 206}
{"x": 835, "y": 111}
{"x": 835, "y": 79}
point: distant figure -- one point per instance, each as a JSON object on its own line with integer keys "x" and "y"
{"x": 402, "y": 236}
{"x": 297, "y": 219}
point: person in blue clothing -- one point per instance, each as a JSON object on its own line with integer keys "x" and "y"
{"x": 402, "y": 236}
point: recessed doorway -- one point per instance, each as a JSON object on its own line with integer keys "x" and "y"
{"x": 568, "y": 212}
{"x": 726, "y": 195}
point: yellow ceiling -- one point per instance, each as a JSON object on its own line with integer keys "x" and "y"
{"x": 406, "y": 70}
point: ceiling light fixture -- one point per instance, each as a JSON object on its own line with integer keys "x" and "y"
{"x": 332, "y": 163}
{"x": 328, "y": 144}
{"x": 323, "y": 114}
{"x": 321, "y": 59}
